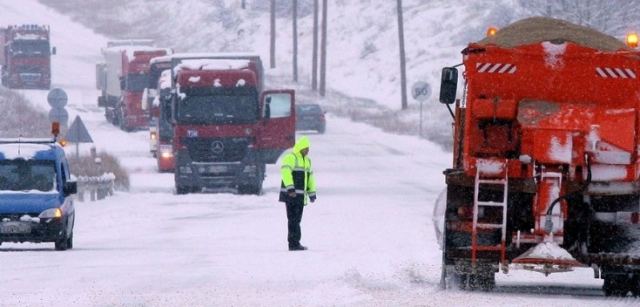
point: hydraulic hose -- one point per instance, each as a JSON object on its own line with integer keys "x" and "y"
{"x": 548, "y": 223}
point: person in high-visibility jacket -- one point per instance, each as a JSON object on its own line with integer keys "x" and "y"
{"x": 297, "y": 188}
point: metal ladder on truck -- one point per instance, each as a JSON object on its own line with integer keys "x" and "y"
{"x": 481, "y": 181}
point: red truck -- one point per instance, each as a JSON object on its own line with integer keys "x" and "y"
{"x": 225, "y": 126}
{"x": 545, "y": 163}
{"x": 123, "y": 78}
{"x": 26, "y": 56}
{"x": 161, "y": 128}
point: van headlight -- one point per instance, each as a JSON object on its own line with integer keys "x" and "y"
{"x": 51, "y": 213}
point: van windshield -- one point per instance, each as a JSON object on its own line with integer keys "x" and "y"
{"x": 27, "y": 175}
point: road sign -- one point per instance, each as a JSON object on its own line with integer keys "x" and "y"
{"x": 421, "y": 91}
{"x": 78, "y": 132}
{"x": 59, "y": 115}
{"x": 57, "y": 98}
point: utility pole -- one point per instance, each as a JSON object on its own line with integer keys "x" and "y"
{"x": 403, "y": 64}
{"x": 295, "y": 40}
{"x": 273, "y": 34}
{"x": 323, "y": 51}
{"x": 314, "y": 69}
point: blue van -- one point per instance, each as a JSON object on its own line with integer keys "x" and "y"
{"x": 35, "y": 193}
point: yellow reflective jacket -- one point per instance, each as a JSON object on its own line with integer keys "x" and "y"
{"x": 297, "y": 174}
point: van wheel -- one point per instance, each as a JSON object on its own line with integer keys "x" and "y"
{"x": 63, "y": 244}
{"x": 70, "y": 242}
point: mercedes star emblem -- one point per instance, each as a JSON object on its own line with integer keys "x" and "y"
{"x": 217, "y": 147}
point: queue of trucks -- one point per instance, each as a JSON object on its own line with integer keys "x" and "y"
{"x": 210, "y": 120}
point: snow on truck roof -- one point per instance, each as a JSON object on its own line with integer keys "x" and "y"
{"x": 211, "y": 64}
{"x": 539, "y": 29}
{"x": 130, "y": 49}
{"x": 204, "y": 55}
{"x": 40, "y": 149}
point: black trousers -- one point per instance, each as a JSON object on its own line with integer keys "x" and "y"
{"x": 294, "y": 216}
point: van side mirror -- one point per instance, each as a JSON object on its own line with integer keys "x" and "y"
{"x": 448, "y": 85}
{"x": 53, "y": 50}
{"x": 70, "y": 187}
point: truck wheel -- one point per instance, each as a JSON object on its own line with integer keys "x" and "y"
{"x": 450, "y": 280}
{"x": 180, "y": 190}
{"x": 249, "y": 189}
{"x": 635, "y": 284}
{"x": 616, "y": 285}
{"x": 482, "y": 281}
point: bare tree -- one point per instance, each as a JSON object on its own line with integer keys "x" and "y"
{"x": 323, "y": 51}
{"x": 273, "y": 34}
{"x": 403, "y": 64}
{"x": 295, "y": 40}
{"x": 314, "y": 65}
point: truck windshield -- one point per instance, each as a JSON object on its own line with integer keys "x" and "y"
{"x": 30, "y": 47}
{"x": 218, "y": 109}
{"x": 137, "y": 82}
{"x": 27, "y": 175}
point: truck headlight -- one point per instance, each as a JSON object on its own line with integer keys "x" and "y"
{"x": 185, "y": 170}
{"x": 51, "y": 213}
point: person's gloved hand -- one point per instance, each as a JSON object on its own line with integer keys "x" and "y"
{"x": 312, "y": 198}
{"x": 292, "y": 193}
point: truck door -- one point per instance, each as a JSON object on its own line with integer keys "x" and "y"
{"x": 276, "y": 131}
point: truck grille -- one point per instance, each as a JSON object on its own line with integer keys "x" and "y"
{"x": 216, "y": 149}
{"x": 30, "y": 77}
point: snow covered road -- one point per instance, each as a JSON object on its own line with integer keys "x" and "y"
{"x": 370, "y": 233}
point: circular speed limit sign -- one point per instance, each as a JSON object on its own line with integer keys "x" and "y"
{"x": 421, "y": 91}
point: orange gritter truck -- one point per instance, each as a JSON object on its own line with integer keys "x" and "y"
{"x": 546, "y": 173}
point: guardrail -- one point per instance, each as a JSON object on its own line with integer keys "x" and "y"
{"x": 98, "y": 187}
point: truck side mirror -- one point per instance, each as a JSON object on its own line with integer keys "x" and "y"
{"x": 448, "y": 85}
{"x": 267, "y": 108}
{"x": 53, "y": 51}
{"x": 70, "y": 187}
